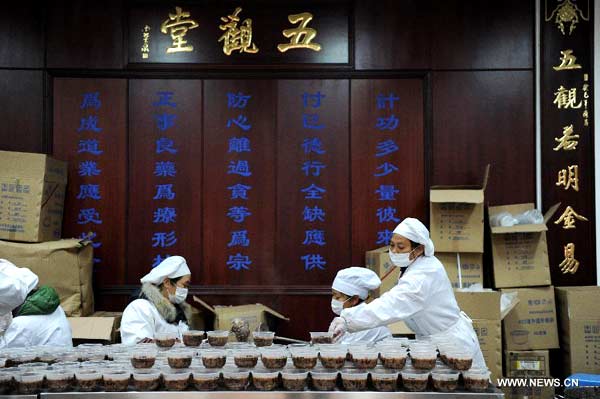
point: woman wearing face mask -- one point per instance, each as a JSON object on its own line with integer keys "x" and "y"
{"x": 423, "y": 297}
{"x": 350, "y": 289}
{"x": 160, "y": 305}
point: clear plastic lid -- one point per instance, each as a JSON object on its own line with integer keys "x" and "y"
{"x": 218, "y": 333}
{"x": 446, "y": 375}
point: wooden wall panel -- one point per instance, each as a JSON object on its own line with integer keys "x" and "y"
{"x": 226, "y": 155}
{"x": 313, "y": 194}
{"x": 387, "y": 159}
{"x": 21, "y": 111}
{"x": 481, "y": 118}
{"x": 90, "y": 134}
{"x": 389, "y": 38}
{"x": 22, "y": 34}
{"x": 165, "y": 168}
{"x": 85, "y": 34}
{"x": 473, "y": 34}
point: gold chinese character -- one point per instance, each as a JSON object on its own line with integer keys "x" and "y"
{"x": 301, "y": 36}
{"x": 568, "y": 218}
{"x": 567, "y": 61}
{"x": 145, "y": 39}
{"x": 566, "y": 98}
{"x": 236, "y": 38}
{"x": 176, "y": 25}
{"x": 569, "y": 264}
{"x": 569, "y": 177}
{"x": 566, "y": 12}
{"x": 568, "y": 141}
{"x": 585, "y": 77}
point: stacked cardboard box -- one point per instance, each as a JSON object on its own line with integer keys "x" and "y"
{"x": 32, "y": 192}
{"x": 579, "y": 326}
{"x": 65, "y": 265}
{"x": 521, "y": 266}
{"x": 457, "y": 227}
{"x": 520, "y": 252}
{"x": 485, "y": 311}
{"x": 32, "y": 189}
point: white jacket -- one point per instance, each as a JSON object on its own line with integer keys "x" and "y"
{"x": 13, "y": 291}
{"x": 371, "y": 335}
{"x": 143, "y": 318}
{"x": 424, "y": 300}
{"x": 41, "y": 330}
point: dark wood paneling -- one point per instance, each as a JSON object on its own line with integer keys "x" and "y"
{"x": 21, "y": 111}
{"x": 481, "y": 118}
{"x": 186, "y": 180}
{"x": 22, "y": 34}
{"x": 111, "y": 178}
{"x": 327, "y": 169}
{"x": 473, "y": 34}
{"x": 85, "y": 34}
{"x": 259, "y": 114}
{"x": 554, "y": 121}
{"x": 392, "y": 34}
{"x": 408, "y": 180}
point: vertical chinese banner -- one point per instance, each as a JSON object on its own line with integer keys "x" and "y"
{"x": 387, "y": 152}
{"x": 313, "y": 191}
{"x": 89, "y": 132}
{"x": 239, "y": 176}
{"x": 165, "y": 175}
{"x": 567, "y": 142}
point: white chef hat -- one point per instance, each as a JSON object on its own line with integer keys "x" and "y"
{"x": 28, "y": 279}
{"x": 416, "y": 231}
{"x": 356, "y": 281}
{"x": 172, "y": 267}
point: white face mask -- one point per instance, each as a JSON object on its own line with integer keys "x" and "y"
{"x": 338, "y": 306}
{"x": 401, "y": 260}
{"x": 180, "y": 295}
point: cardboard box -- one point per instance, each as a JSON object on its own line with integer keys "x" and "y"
{"x": 100, "y": 327}
{"x": 465, "y": 274}
{"x": 258, "y": 316}
{"x": 520, "y": 252}
{"x": 457, "y": 217}
{"x": 480, "y": 305}
{"x": 32, "y": 194}
{"x": 540, "y": 392}
{"x": 484, "y": 308}
{"x": 379, "y": 261}
{"x": 489, "y": 333}
{"x": 532, "y": 324}
{"x": 527, "y": 363}
{"x": 579, "y": 327}
{"x": 65, "y": 265}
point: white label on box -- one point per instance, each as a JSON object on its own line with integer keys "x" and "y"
{"x": 529, "y": 365}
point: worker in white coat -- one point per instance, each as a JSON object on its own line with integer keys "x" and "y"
{"x": 350, "y": 289}
{"x": 423, "y": 297}
{"x": 13, "y": 291}
{"x": 38, "y": 320}
{"x": 160, "y": 306}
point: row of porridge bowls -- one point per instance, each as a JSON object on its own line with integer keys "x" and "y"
{"x": 115, "y": 367}
{"x": 113, "y": 379}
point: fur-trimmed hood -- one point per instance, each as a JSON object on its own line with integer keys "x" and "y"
{"x": 166, "y": 309}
